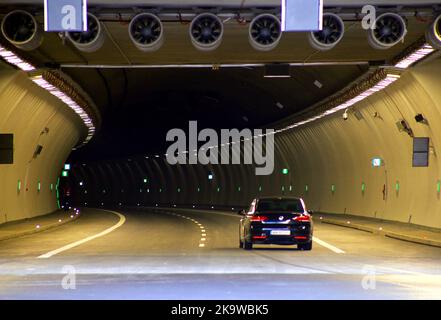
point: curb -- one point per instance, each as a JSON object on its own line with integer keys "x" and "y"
{"x": 385, "y": 233}
{"x": 41, "y": 229}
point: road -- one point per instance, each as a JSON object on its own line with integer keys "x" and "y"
{"x": 194, "y": 255}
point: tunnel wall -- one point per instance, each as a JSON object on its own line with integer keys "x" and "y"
{"x": 328, "y": 160}
{"x": 26, "y": 110}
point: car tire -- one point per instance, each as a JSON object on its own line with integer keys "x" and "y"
{"x": 247, "y": 245}
{"x": 305, "y": 246}
{"x": 240, "y": 244}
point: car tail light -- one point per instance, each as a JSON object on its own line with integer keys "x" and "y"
{"x": 259, "y": 237}
{"x": 259, "y": 218}
{"x": 302, "y": 218}
{"x": 300, "y": 237}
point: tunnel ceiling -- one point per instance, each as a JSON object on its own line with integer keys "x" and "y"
{"x": 140, "y": 103}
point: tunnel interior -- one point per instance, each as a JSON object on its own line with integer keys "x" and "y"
{"x": 344, "y": 120}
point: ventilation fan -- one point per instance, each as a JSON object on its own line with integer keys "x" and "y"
{"x": 22, "y": 30}
{"x": 90, "y": 40}
{"x": 390, "y": 29}
{"x": 206, "y": 31}
{"x": 146, "y": 32}
{"x": 265, "y": 32}
{"x": 433, "y": 33}
{"x": 330, "y": 35}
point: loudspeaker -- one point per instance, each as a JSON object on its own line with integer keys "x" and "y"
{"x": 419, "y": 118}
{"x": 37, "y": 151}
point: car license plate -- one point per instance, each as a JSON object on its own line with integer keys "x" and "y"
{"x": 280, "y": 232}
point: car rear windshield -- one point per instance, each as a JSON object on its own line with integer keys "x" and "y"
{"x": 292, "y": 205}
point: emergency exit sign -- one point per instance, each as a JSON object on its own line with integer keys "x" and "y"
{"x": 65, "y": 15}
{"x": 302, "y": 15}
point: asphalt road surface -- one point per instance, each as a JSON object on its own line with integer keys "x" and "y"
{"x": 145, "y": 254}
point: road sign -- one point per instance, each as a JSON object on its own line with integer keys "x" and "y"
{"x": 302, "y": 15}
{"x": 65, "y": 15}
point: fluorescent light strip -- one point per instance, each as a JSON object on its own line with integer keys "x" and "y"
{"x": 382, "y": 84}
{"x": 414, "y": 57}
{"x": 13, "y": 59}
{"x": 41, "y": 82}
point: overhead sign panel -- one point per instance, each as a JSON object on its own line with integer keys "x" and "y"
{"x": 65, "y": 15}
{"x": 302, "y": 15}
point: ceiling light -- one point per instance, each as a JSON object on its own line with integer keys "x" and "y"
{"x": 87, "y": 120}
{"x": 415, "y": 56}
{"x": 13, "y": 59}
{"x": 318, "y": 84}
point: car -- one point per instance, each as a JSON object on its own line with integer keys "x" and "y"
{"x": 276, "y": 220}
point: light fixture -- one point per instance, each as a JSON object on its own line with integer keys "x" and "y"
{"x": 87, "y": 120}
{"x": 13, "y": 59}
{"x": 415, "y": 56}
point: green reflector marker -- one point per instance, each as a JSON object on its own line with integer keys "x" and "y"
{"x": 238, "y": 189}
{"x": 290, "y": 188}
{"x": 285, "y": 171}
{"x": 333, "y": 188}
{"x": 260, "y": 188}
{"x": 306, "y": 188}
{"x": 363, "y": 187}
{"x": 179, "y": 190}
{"x": 397, "y": 186}
{"x": 438, "y": 186}
{"x": 38, "y": 186}
{"x": 145, "y": 180}
{"x": 160, "y": 189}
{"x": 199, "y": 189}
{"x": 283, "y": 188}
{"x": 218, "y": 189}
{"x": 52, "y": 187}
{"x": 64, "y": 173}
{"x": 19, "y": 185}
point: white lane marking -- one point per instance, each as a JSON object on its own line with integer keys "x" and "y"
{"x": 203, "y": 234}
{"x": 122, "y": 220}
{"x": 327, "y": 245}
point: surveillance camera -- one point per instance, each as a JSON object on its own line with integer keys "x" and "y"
{"x": 345, "y": 115}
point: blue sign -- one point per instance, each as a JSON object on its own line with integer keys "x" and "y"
{"x": 302, "y": 15}
{"x": 65, "y": 15}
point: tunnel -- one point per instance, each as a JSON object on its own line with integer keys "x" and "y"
{"x": 138, "y": 148}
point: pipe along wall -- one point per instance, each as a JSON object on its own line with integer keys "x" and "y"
{"x": 329, "y": 164}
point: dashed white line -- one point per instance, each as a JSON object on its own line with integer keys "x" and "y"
{"x": 203, "y": 231}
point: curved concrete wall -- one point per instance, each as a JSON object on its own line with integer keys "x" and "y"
{"x": 26, "y": 110}
{"x": 329, "y": 152}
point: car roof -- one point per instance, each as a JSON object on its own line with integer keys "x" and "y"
{"x": 278, "y": 198}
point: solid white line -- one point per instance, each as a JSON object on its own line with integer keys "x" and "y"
{"x": 327, "y": 245}
{"x": 121, "y": 221}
